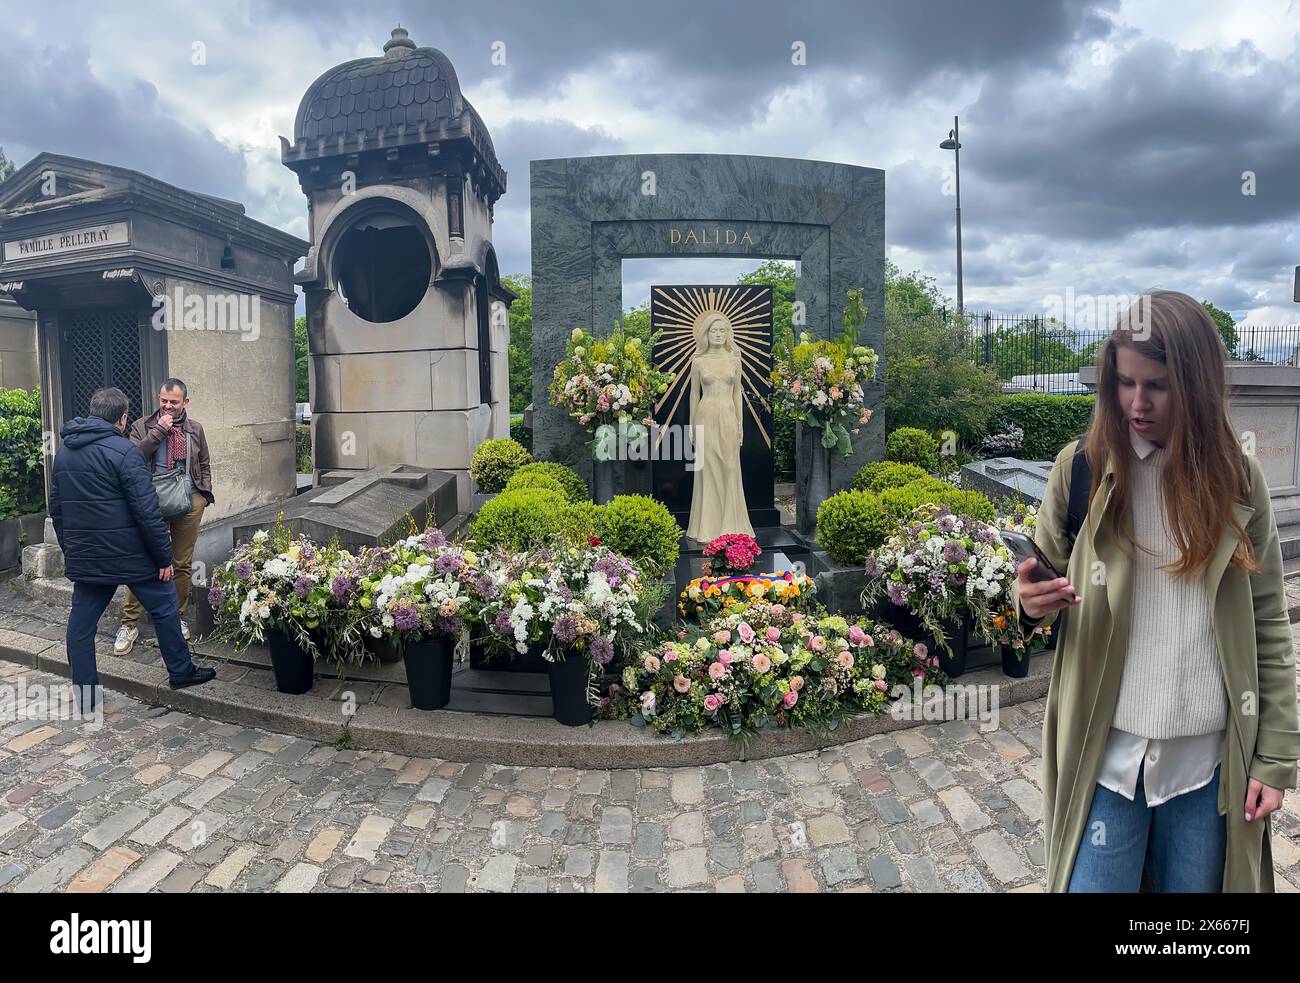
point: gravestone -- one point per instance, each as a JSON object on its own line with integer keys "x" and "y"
{"x": 1008, "y": 477}
{"x": 365, "y": 509}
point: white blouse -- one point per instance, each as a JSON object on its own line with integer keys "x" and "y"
{"x": 1168, "y": 767}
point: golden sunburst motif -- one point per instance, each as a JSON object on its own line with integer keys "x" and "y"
{"x": 679, "y": 313}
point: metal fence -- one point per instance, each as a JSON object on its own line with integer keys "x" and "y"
{"x": 1032, "y": 353}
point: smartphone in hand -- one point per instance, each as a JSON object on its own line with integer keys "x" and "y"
{"x": 1023, "y": 548}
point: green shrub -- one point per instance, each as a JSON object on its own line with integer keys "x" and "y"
{"x": 1049, "y": 422}
{"x": 910, "y": 445}
{"x": 521, "y": 519}
{"x": 581, "y": 522}
{"x": 899, "y": 503}
{"x": 571, "y": 483}
{"x": 642, "y": 529}
{"x": 495, "y": 461}
{"x": 534, "y": 479}
{"x": 851, "y": 524}
{"x": 879, "y": 475}
{"x": 783, "y": 426}
{"x": 519, "y": 433}
{"x": 302, "y": 447}
{"x": 22, "y": 461}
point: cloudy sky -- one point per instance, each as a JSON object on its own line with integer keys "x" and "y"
{"x": 1104, "y": 143}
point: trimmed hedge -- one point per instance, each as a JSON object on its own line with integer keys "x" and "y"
{"x": 534, "y": 479}
{"x": 520, "y": 434}
{"x": 1049, "y": 422}
{"x": 911, "y": 445}
{"x": 521, "y": 519}
{"x": 642, "y": 529}
{"x": 783, "y": 440}
{"x": 899, "y": 503}
{"x": 879, "y": 475}
{"x": 570, "y": 482}
{"x": 850, "y": 524}
{"x": 495, "y": 462}
{"x": 22, "y": 460}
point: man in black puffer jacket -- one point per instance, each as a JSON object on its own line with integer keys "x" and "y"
{"x": 106, "y": 516}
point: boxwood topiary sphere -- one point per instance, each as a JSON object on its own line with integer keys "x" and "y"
{"x": 520, "y": 519}
{"x": 571, "y": 483}
{"x": 642, "y": 529}
{"x": 495, "y": 461}
{"x": 879, "y": 475}
{"x": 851, "y": 524}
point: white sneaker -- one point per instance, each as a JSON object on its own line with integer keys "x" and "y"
{"x": 125, "y": 640}
{"x": 185, "y": 631}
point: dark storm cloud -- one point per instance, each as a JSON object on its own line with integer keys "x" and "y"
{"x": 721, "y": 61}
{"x": 53, "y": 102}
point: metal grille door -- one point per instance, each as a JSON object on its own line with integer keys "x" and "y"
{"x": 101, "y": 348}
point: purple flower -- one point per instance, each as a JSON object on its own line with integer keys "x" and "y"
{"x": 602, "y": 650}
{"x": 302, "y": 586}
{"x": 449, "y": 563}
{"x": 935, "y": 580}
{"x": 406, "y": 617}
{"x": 898, "y": 592}
{"x": 566, "y": 629}
{"x": 450, "y": 625}
{"x": 243, "y": 569}
{"x": 957, "y": 579}
{"x": 216, "y": 596}
{"x": 874, "y": 567}
{"x": 502, "y": 623}
{"x": 946, "y": 523}
{"x": 566, "y": 594}
{"x": 954, "y": 551}
{"x": 341, "y": 586}
{"x": 308, "y": 553}
{"x": 434, "y": 538}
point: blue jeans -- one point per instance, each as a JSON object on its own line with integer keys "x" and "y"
{"x": 89, "y": 602}
{"x": 1181, "y": 843}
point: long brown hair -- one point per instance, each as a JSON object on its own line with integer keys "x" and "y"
{"x": 1204, "y": 471}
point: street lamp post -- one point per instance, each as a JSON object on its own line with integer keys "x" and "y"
{"x": 953, "y": 144}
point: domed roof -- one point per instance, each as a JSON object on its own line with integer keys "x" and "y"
{"x": 408, "y": 94}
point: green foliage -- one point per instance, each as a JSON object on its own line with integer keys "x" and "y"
{"x": 930, "y": 380}
{"x": 581, "y": 521}
{"x": 1049, "y": 422}
{"x": 910, "y": 445}
{"x": 783, "y": 441}
{"x": 301, "y": 355}
{"x": 568, "y": 480}
{"x": 879, "y": 475}
{"x": 851, "y": 524}
{"x": 7, "y": 167}
{"x": 899, "y": 503}
{"x": 22, "y": 462}
{"x": 521, "y": 341}
{"x": 1034, "y": 344}
{"x": 534, "y": 479}
{"x": 521, "y": 519}
{"x": 302, "y": 442}
{"x": 1227, "y": 327}
{"x": 781, "y": 278}
{"x": 519, "y": 433}
{"x": 642, "y": 529}
{"x": 495, "y": 461}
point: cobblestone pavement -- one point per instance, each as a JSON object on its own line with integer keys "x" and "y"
{"x": 160, "y": 800}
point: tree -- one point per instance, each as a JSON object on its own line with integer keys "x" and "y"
{"x": 1227, "y": 328}
{"x": 911, "y": 294}
{"x": 521, "y": 341}
{"x": 6, "y": 166}
{"x": 302, "y": 389}
{"x": 781, "y": 278}
{"x": 1032, "y": 345}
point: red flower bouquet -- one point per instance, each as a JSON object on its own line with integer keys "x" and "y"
{"x": 731, "y": 554}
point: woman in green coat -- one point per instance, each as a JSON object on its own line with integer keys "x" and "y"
{"x": 1170, "y": 733}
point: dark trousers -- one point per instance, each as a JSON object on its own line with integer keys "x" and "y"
{"x": 89, "y": 602}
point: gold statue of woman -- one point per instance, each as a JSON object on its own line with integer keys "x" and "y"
{"x": 718, "y": 501}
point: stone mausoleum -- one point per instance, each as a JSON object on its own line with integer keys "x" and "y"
{"x": 409, "y": 365}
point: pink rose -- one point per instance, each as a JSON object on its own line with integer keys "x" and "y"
{"x": 711, "y": 703}
{"x": 651, "y": 664}
{"x": 670, "y": 656}
{"x": 725, "y": 657}
{"x": 881, "y": 684}
{"x": 716, "y": 671}
{"x": 857, "y": 636}
{"x": 920, "y": 650}
{"x": 681, "y": 634}
{"x": 777, "y": 611}
{"x": 790, "y": 699}
{"x": 773, "y": 634}
{"x": 746, "y": 633}
{"x": 935, "y": 662}
{"x": 681, "y": 684}
{"x": 845, "y": 659}
{"x": 817, "y": 643}
{"x": 796, "y": 617}
{"x": 918, "y": 673}
{"x": 603, "y": 702}
{"x": 796, "y": 683}
{"x": 868, "y": 640}
{"x": 761, "y": 663}
{"x": 721, "y": 637}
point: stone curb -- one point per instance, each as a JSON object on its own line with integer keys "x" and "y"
{"x": 466, "y": 737}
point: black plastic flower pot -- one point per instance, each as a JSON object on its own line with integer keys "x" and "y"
{"x": 294, "y": 668}
{"x": 1015, "y": 662}
{"x": 383, "y": 648}
{"x": 481, "y": 658}
{"x": 428, "y": 672}
{"x": 569, "y": 690}
{"x": 958, "y": 632}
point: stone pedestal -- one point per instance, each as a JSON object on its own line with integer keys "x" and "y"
{"x": 43, "y": 561}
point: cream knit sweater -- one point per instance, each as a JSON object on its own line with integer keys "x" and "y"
{"x": 1172, "y": 684}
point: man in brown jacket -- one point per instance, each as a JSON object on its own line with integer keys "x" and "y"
{"x": 166, "y": 438}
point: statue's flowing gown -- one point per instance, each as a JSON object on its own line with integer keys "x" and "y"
{"x": 718, "y": 502}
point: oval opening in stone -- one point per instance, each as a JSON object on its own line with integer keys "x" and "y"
{"x": 382, "y": 267}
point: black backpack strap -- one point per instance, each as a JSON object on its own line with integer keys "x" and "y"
{"x": 1080, "y": 485}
